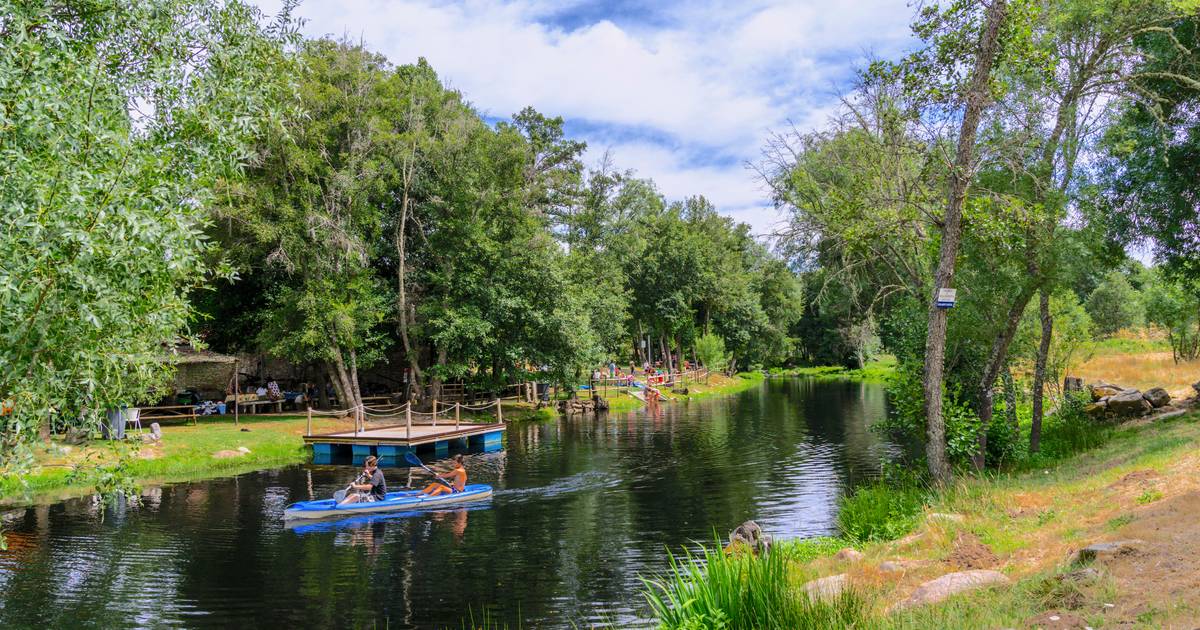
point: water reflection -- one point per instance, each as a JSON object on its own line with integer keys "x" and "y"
{"x": 583, "y": 506}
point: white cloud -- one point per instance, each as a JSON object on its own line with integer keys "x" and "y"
{"x": 707, "y": 80}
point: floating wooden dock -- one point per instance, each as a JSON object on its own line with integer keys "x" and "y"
{"x": 396, "y": 440}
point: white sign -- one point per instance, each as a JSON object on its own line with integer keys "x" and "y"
{"x": 946, "y": 298}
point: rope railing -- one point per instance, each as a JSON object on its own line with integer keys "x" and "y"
{"x": 364, "y": 414}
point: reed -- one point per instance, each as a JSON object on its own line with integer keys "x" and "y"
{"x": 729, "y": 592}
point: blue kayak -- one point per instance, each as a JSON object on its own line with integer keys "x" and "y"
{"x": 395, "y": 501}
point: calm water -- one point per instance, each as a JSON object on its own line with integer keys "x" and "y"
{"x": 582, "y": 508}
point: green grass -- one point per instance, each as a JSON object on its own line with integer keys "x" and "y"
{"x": 880, "y": 511}
{"x": 879, "y": 370}
{"x": 731, "y": 592}
{"x": 1126, "y": 345}
{"x": 186, "y": 453}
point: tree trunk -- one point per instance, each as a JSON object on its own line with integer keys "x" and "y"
{"x": 354, "y": 377}
{"x": 323, "y": 387}
{"x": 404, "y": 311}
{"x": 1010, "y": 398}
{"x": 1039, "y": 371}
{"x": 997, "y": 359}
{"x": 960, "y": 177}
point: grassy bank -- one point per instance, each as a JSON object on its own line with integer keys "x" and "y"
{"x": 879, "y": 370}
{"x": 186, "y": 452}
{"x": 1143, "y": 484}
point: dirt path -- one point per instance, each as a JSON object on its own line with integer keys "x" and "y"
{"x": 1162, "y": 572}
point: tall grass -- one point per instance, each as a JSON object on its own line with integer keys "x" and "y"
{"x": 730, "y": 592}
{"x": 880, "y": 511}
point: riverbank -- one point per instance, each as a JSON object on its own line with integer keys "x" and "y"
{"x": 879, "y": 370}
{"x": 1025, "y": 531}
{"x": 214, "y": 447}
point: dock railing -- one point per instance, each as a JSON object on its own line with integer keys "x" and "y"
{"x": 394, "y": 415}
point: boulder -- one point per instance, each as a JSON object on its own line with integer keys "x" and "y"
{"x": 1157, "y": 397}
{"x": 1097, "y": 409}
{"x": 1100, "y": 390}
{"x": 1196, "y": 386}
{"x": 826, "y": 587}
{"x": 849, "y": 555}
{"x": 1128, "y": 404}
{"x": 1072, "y": 384}
{"x": 951, "y": 584}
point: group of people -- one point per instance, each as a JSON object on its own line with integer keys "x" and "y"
{"x": 371, "y": 485}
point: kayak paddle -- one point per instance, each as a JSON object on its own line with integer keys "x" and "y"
{"x": 341, "y": 494}
{"x": 412, "y": 458}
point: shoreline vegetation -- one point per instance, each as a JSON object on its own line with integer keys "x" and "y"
{"x": 1137, "y": 489}
{"x": 189, "y": 453}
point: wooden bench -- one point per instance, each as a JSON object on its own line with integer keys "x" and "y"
{"x": 171, "y": 413}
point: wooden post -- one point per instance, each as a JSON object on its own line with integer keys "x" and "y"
{"x": 237, "y": 394}
{"x": 408, "y": 421}
{"x": 356, "y": 423}
{"x": 499, "y": 412}
{"x": 457, "y": 409}
{"x": 435, "y": 412}
{"x": 309, "y": 408}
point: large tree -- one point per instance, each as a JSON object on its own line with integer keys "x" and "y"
{"x": 117, "y": 118}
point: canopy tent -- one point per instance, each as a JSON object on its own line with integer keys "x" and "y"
{"x": 212, "y": 374}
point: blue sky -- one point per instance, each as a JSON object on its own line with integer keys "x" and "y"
{"x": 682, "y": 92}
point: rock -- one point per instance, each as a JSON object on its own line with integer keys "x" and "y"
{"x": 1072, "y": 384}
{"x": 1097, "y": 409}
{"x": 226, "y": 454}
{"x": 1170, "y": 414}
{"x": 1083, "y": 574}
{"x": 1100, "y": 390}
{"x": 244, "y": 450}
{"x": 1100, "y": 551}
{"x": 76, "y": 436}
{"x": 750, "y": 536}
{"x": 1157, "y": 397}
{"x": 1128, "y": 404}
{"x": 849, "y": 555}
{"x": 1196, "y": 386}
{"x": 951, "y": 584}
{"x": 826, "y": 587}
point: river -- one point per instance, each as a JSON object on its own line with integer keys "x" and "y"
{"x": 583, "y": 507}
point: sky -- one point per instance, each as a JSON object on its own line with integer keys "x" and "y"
{"x": 684, "y": 93}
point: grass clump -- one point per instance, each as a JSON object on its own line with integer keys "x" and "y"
{"x": 1149, "y": 496}
{"x": 730, "y": 592}
{"x": 880, "y": 511}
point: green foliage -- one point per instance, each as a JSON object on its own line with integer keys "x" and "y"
{"x": 710, "y": 349}
{"x": 1070, "y": 430}
{"x": 880, "y": 511}
{"x": 1171, "y": 305}
{"x": 1114, "y": 304}
{"x": 739, "y": 591}
{"x": 115, "y": 125}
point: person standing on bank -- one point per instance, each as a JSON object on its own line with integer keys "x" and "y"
{"x": 375, "y": 488}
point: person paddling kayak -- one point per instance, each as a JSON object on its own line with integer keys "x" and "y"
{"x": 456, "y": 477}
{"x": 375, "y": 488}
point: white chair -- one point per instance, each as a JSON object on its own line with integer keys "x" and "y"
{"x": 133, "y": 417}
